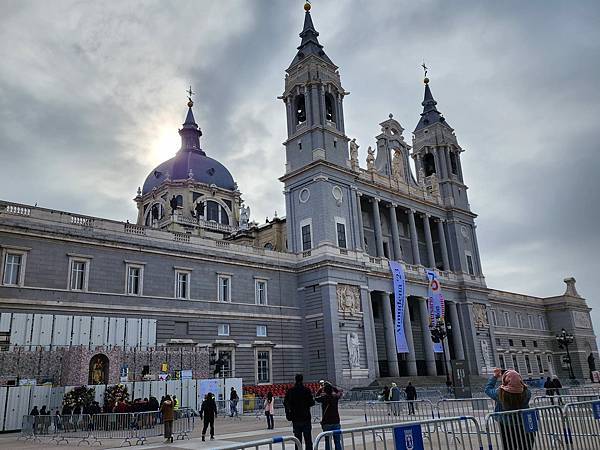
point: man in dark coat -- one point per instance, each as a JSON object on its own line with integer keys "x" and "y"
{"x": 298, "y": 401}
{"x": 208, "y": 412}
{"x": 411, "y": 396}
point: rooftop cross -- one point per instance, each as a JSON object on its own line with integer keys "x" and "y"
{"x": 190, "y": 93}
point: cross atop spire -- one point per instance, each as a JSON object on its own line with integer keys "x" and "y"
{"x": 310, "y": 43}
{"x": 430, "y": 114}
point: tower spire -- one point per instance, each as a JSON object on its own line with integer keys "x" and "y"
{"x": 310, "y": 43}
{"x": 430, "y": 114}
{"x": 190, "y": 132}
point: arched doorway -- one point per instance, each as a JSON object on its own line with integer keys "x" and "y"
{"x": 98, "y": 369}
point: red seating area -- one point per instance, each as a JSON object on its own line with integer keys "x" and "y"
{"x": 278, "y": 390}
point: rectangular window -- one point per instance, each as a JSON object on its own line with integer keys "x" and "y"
{"x": 523, "y": 343}
{"x": 261, "y": 331}
{"x": 535, "y": 344}
{"x": 226, "y": 357}
{"x": 502, "y": 362}
{"x": 260, "y": 292}
{"x": 13, "y": 266}
{"x": 528, "y": 364}
{"x": 511, "y": 342}
{"x": 341, "y": 234}
{"x": 223, "y": 329}
{"x": 498, "y": 342}
{"x": 539, "y": 363}
{"x": 182, "y": 284}
{"x": 134, "y": 280}
{"x": 79, "y": 274}
{"x": 515, "y": 362}
{"x": 306, "y": 238}
{"x": 506, "y": 319}
{"x": 263, "y": 366}
{"x": 542, "y": 322}
{"x": 470, "y": 266}
{"x": 530, "y": 320}
{"x": 520, "y": 320}
{"x": 494, "y": 318}
{"x": 224, "y": 286}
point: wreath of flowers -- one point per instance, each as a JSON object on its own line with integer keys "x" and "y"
{"x": 114, "y": 393}
{"x": 81, "y": 396}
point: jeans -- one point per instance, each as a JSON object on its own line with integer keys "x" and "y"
{"x": 270, "y": 421}
{"x": 411, "y": 407}
{"x": 303, "y": 429}
{"x": 233, "y": 407}
{"x": 337, "y": 438}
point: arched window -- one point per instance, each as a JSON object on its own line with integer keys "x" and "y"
{"x": 157, "y": 212}
{"x": 300, "y": 105}
{"x": 224, "y": 217}
{"x": 212, "y": 211}
{"x": 453, "y": 164}
{"x": 428, "y": 164}
{"x": 329, "y": 107}
{"x": 268, "y": 246}
{"x": 179, "y": 199}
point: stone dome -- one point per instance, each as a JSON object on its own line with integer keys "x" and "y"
{"x": 203, "y": 169}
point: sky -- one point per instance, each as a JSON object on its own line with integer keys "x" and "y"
{"x": 92, "y": 95}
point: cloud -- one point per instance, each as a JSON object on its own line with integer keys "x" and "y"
{"x": 92, "y": 95}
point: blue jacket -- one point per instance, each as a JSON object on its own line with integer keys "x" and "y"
{"x": 492, "y": 392}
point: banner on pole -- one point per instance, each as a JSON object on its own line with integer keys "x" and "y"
{"x": 399, "y": 280}
{"x": 436, "y": 305}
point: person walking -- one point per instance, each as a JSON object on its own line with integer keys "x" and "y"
{"x": 385, "y": 394}
{"x": 512, "y": 395}
{"x": 395, "y": 398}
{"x": 411, "y": 396}
{"x": 168, "y": 415}
{"x": 549, "y": 386}
{"x": 233, "y": 401}
{"x": 297, "y": 402}
{"x": 269, "y": 410}
{"x": 557, "y": 385}
{"x": 328, "y": 396}
{"x": 208, "y": 412}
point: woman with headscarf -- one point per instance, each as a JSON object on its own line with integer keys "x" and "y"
{"x": 512, "y": 395}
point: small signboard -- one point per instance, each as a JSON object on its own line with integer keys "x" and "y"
{"x": 530, "y": 421}
{"x": 596, "y": 376}
{"x": 124, "y": 373}
{"x": 186, "y": 374}
{"x": 408, "y": 437}
{"x": 596, "y": 409}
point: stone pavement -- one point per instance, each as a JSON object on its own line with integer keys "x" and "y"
{"x": 228, "y": 431}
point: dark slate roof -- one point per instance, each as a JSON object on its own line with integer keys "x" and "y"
{"x": 310, "y": 42}
{"x": 190, "y": 157}
{"x": 430, "y": 114}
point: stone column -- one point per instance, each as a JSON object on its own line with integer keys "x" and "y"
{"x": 414, "y": 239}
{"x": 429, "y": 241}
{"x": 442, "y": 235}
{"x": 361, "y": 230}
{"x": 411, "y": 361}
{"x": 459, "y": 351}
{"x": 427, "y": 342}
{"x": 369, "y": 324}
{"x": 390, "y": 335}
{"x": 448, "y": 163}
{"x": 395, "y": 236}
{"x": 443, "y": 165}
{"x": 377, "y": 227}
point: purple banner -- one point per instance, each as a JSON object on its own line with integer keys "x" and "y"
{"x": 400, "y": 303}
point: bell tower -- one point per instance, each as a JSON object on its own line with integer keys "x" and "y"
{"x": 314, "y": 105}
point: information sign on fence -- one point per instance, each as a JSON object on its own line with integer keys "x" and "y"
{"x": 596, "y": 408}
{"x": 408, "y": 437}
{"x": 530, "y": 421}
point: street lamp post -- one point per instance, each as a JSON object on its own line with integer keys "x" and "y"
{"x": 439, "y": 332}
{"x": 565, "y": 339}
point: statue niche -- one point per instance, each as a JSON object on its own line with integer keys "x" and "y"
{"x": 99, "y": 369}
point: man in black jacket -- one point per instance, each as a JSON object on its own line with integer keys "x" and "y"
{"x": 298, "y": 401}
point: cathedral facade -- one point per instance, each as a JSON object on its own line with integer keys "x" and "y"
{"x": 307, "y": 293}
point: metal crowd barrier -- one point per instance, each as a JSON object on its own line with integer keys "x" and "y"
{"x": 478, "y": 408}
{"x": 381, "y": 413}
{"x": 130, "y": 428}
{"x": 525, "y": 428}
{"x": 455, "y": 433}
{"x": 582, "y": 421}
{"x": 560, "y": 400}
{"x": 266, "y": 443}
